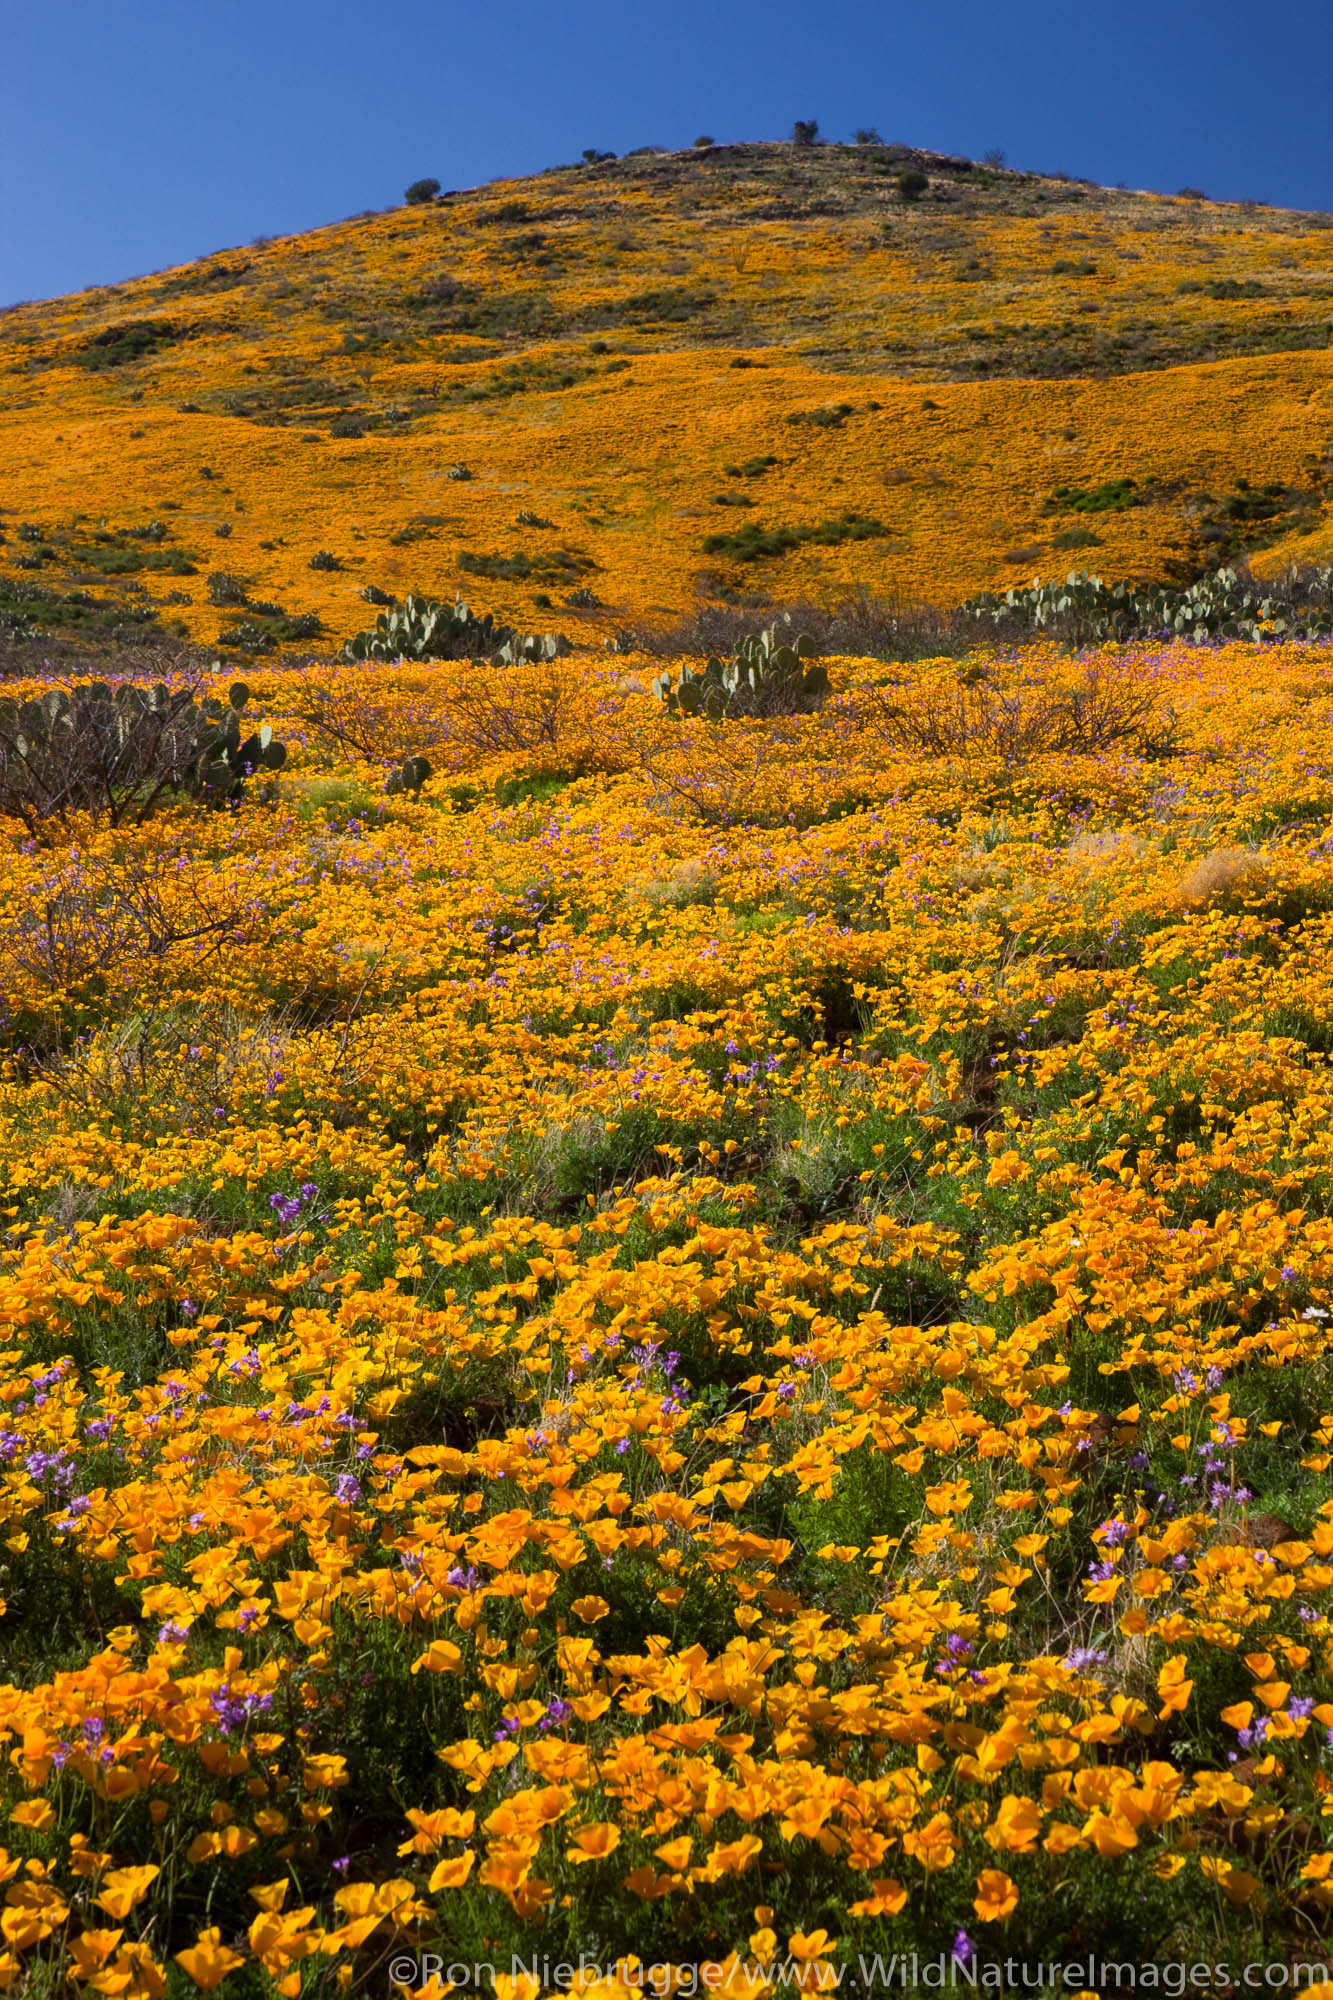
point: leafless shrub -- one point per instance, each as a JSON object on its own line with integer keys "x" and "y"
{"x": 858, "y": 626}
{"x": 971, "y": 716}
{"x": 791, "y": 772}
{"x": 172, "y": 1064}
{"x": 91, "y": 761}
{"x": 93, "y": 916}
{"x": 335, "y": 704}
{"x": 461, "y": 713}
{"x": 56, "y": 656}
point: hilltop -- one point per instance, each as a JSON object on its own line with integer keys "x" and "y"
{"x": 764, "y": 369}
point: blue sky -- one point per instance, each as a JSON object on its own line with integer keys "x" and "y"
{"x": 138, "y": 137}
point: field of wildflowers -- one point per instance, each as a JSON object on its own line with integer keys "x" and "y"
{"x": 615, "y": 379}
{"x": 703, "y": 1343}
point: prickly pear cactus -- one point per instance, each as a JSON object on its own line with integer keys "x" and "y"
{"x": 1225, "y": 605}
{"x": 420, "y": 628}
{"x": 767, "y": 674}
{"x": 409, "y": 776}
{"x": 115, "y": 754}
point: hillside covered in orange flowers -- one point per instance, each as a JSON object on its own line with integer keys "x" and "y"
{"x": 621, "y": 381}
{"x": 674, "y": 1323}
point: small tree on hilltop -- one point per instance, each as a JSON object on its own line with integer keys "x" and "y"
{"x": 805, "y": 131}
{"x": 421, "y": 191}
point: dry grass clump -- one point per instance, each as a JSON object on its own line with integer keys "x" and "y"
{"x": 689, "y": 882}
{"x": 1221, "y": 874}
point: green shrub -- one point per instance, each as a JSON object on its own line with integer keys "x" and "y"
{"x": 911, "y": 184}
{"x": 323, "y": 559}
{"x": 552, "y": 566}
{"x": 421, "y": 191}
{"x": 805, "y": 132}
{"x": 1111, "y": 497}
{"x": 750, "y": 542}
{"x": 672, "y": 304}
{"x": 117, "y": 346}
{"x": 226, "y": 590}
{"x": 829, "y": 416}
{"x": 507, "y": 211}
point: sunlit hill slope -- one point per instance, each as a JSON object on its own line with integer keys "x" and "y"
{"x": 767, "y": 369}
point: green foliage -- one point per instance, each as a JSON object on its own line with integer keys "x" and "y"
{"x": 552, "y": 566}
{"x": 270, "y": 626}
{"x": 26, "y": 608}
{"x": 766, "y": 675}
{"x": 421, "y": 191}
{"x": 111, "y": 560}
{"x": 324, "y": 559}
{"x": 672, "y": 304}
{"x": 805, "y": 132}
{"x": 829, "y": 416}
{"x": 911, "y": 184}
{"x": 1111, "y": 497}
{"x": 116, "y": 753}
{"x": 422, "y": 628}
{"x": 116, "y": 346}
{"x": 751, "y": 542}
{"x": 1225, "y": 605}
{"x": 750, "y": 468}
{"x": 520, "y": 378}
{"x": 1225, "y": 288}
